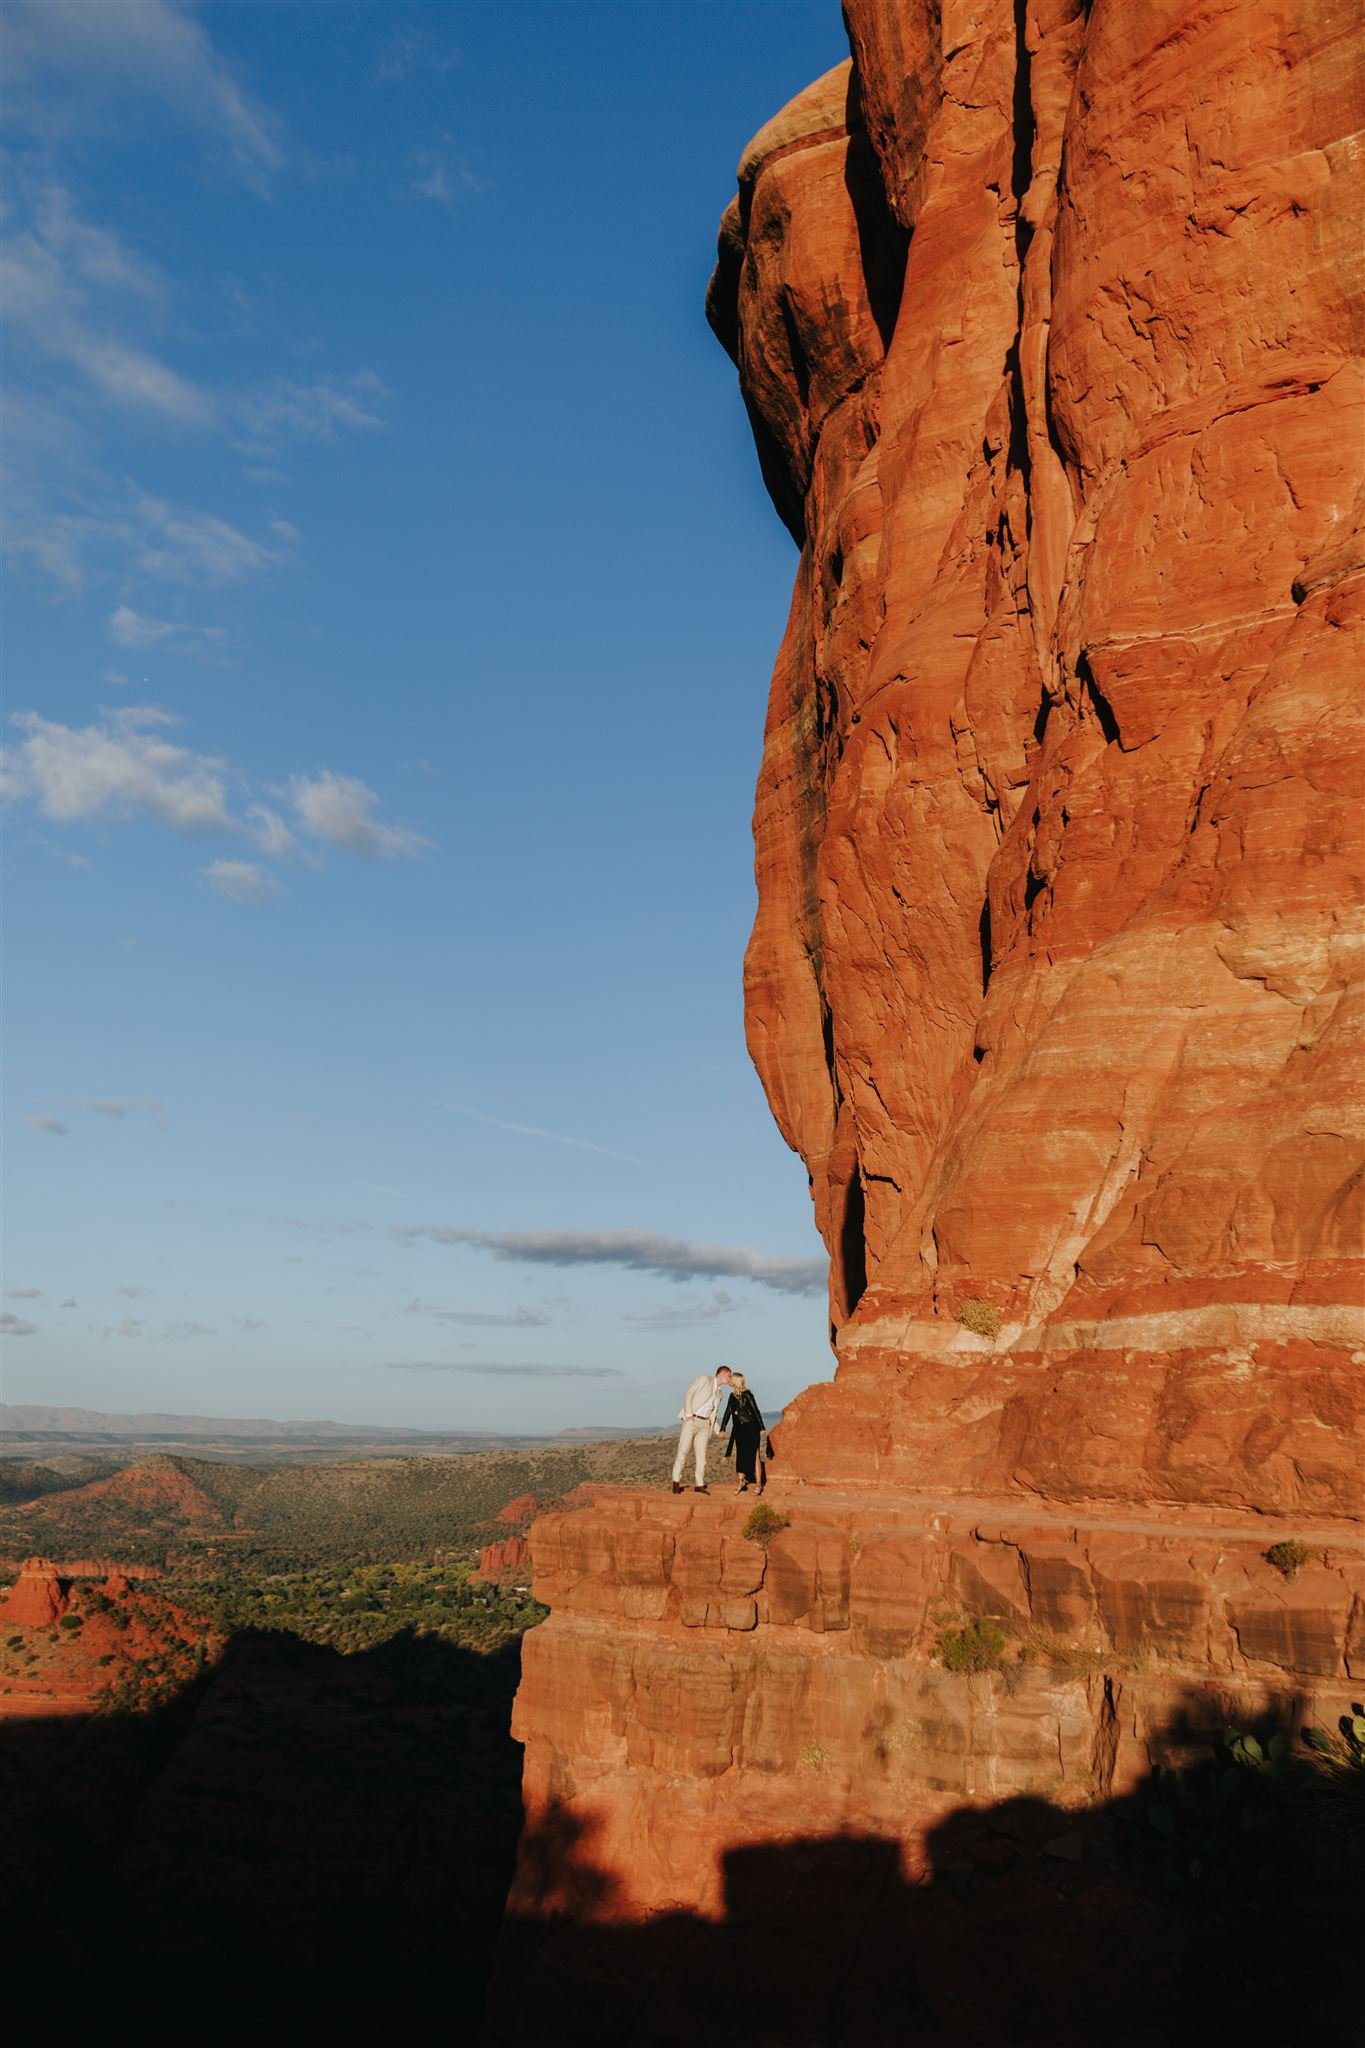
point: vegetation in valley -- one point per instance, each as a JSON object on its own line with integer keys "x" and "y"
{"x": 357, "y": 1607}
{"x": 242, "y": 1522}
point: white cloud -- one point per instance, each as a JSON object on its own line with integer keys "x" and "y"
{"x": 16, "y": 1326}
{"x": 247, "y": 1323}
{"x": 338, "y": 809}
{"x": 68, "y": 65}
{"x": 128, "y": 628}
{"x": 129, "y": 1327}
{"x": 53, "y": 1125}
{"x": 124, "y": 765}
{"x": 244, "y": 881}
{"x": 187, "y": 1330}
{"x": 115, "y": 768}
{"x": 23, "y": 1293}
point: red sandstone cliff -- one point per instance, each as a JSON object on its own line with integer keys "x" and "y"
{"x": 1055, "y": 982}
{"x": 1048, "y": 320}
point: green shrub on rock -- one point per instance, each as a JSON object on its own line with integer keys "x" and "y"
{"x": 977, "y": 1646}
{"x": 1290, "y": 1557}
{"x": 764, "y": 1523}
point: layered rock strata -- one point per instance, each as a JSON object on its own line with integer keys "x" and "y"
{"x": 1048, "y": 320}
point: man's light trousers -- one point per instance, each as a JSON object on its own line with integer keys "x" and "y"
{"x": 695, "y": 1432}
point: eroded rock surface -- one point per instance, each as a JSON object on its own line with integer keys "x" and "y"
{"x": 1048, "y": 320}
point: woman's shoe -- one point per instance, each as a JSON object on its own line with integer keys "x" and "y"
{"x": 743, "y": 1486}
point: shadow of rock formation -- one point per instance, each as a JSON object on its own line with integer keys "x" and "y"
{"x": 1211, "y": 1904}
{"x": 301, "y": 1841}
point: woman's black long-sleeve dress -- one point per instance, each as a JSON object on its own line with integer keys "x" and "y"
{"x": 743, "y": 1419}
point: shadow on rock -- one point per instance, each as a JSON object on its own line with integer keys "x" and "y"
{"x": 1214, "y": 1903}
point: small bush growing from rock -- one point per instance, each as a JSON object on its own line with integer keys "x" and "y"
{"x": 1290, "y": 1557}
{"x": 979, "y": 1317}
{"x": 764, "y": 1523}
{"x": 977, "y": 1646}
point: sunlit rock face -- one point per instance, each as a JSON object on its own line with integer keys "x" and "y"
{"x": 1055, "y": 983}
{"x": 1047, "y": 318}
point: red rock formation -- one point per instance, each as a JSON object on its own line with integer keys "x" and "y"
{"x": 1048, "y": 319}
{"x": 38, "y": 1596}
{"x": 510, "y": 1559}
{"x": 515, "y": 1513}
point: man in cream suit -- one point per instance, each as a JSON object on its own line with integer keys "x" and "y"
{"x": 700, "y": 1418}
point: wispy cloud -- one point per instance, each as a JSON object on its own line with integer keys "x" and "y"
{"x": 640, "y": 1251}
{"x": 23, "y": 1293}
{"x": 517, "y": 1319}
{"x": 443, "y": 175}
{"x": 129, "y": 1327}
{"x": 690, "y": 1314}
{"x": 317, "y": 411}
{"x": 190, "y": 1329}
{"x": 119, "y": 1106}
{"x": 412, "y": 50}
{"x": 327, "y": 1229}
{"x": 61, "y": 280}
{"x": 528, "y": 1372}
{"x": 498, "y": 1123}
{"x": 68, "y": 67}
{"x": 243, "y": 881}
{"x": 128, "y": 628}
{"x": 16, "y": 1326}
{"x": 53, "y": 1125}
{"x": 247, "y": 1324}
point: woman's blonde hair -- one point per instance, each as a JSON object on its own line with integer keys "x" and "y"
{"x": 737, "y": 1382}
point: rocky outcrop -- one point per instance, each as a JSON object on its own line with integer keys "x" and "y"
{"x": 1048, "y": 321}
{"x": 38, "y": 1597}
{"x": 510, "y": 1559}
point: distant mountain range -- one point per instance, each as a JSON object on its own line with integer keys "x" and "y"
{"x": 27, "y": 1421}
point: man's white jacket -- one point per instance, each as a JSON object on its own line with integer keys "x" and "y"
{"x": 697, "y": 1396}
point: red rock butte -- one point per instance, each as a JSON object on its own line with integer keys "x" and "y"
{"x": 1048, "y": 322}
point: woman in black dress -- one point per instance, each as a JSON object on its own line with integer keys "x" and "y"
{"x": 745, "y": 1424}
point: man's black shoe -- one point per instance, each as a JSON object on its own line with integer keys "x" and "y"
{"x": 701, "y": 1489}
{"x": 677, "y": 1486}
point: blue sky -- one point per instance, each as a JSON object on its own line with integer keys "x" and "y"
{"x": 390, "y": 600}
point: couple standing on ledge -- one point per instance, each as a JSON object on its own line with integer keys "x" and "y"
{"x": 702, "y": 1418}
